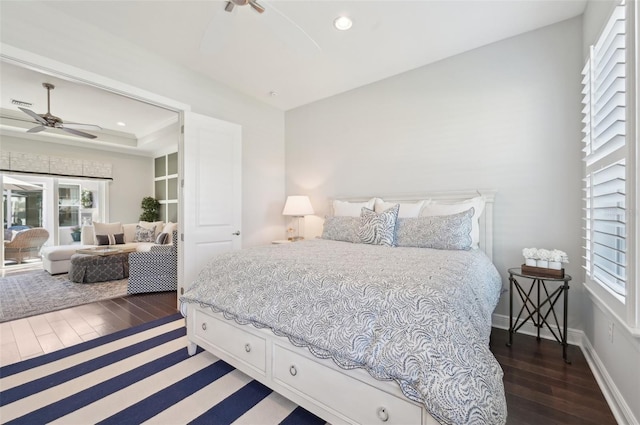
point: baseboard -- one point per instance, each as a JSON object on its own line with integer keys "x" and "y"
{"x": 619, "y": 407}
{"x": 617, "y": 404}
{"x": 574, "y": 336}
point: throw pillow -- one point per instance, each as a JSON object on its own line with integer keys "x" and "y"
{"x": 157, "y": 226}
{"x": 451, "y": 232}
{"x": 162, "y": 238}
{"x": 116, "y": 239}
{"x": 105, "y": 229}
{"x": 378, "y": 229}
{"x": 442, "y": 208}
{"x": 144, "y": 235}
{"x": 169, "y": 227}
{"x": 341, "y": 229}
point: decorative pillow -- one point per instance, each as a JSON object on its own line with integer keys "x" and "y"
{"x": 170, "y": 227}
{"x": 407, "y": 209}
{"x": 144, "y": 235}
{"x": 162, "y": 238}
{"x": 440, "y": 232}
{"x": 351, "y": 209}
{"x": 106, "y": 229}
{"x": 378, "y": 229}
{"x": 342, "y": 229}
{"x": 157, "y": 226}
{"x": 110, "y": 239}
{"x": 441, "y": 208}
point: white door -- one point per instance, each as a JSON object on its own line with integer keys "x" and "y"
{"x": 211, "y": 197}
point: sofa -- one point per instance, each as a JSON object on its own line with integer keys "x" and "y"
{"x": 156, "y": 270}
{"x": 139, "y": 236}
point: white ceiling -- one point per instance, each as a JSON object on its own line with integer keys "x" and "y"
{"x": 259, "y": 54}
{"x": 292, "y": 49}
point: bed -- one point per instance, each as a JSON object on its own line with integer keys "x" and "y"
{"x": 360, "y": 333}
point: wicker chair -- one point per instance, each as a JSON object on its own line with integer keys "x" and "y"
{"x": 25, "y": 244}
{"x": 156, "y": 270}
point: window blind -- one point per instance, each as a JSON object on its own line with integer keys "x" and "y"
{"x": 604, "y": 109}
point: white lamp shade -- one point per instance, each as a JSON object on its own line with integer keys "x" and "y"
{"x": 297, "y": 206}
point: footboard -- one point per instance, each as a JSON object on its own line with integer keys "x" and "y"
{"x": 318, "y": 385}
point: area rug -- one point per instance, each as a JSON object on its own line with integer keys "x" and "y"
{"x": 30, "y": 293}
{"x": 142, "y": 374}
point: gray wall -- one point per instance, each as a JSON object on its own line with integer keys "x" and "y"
{"x": 505, "y": 116}
{"x": 25, "y": 24}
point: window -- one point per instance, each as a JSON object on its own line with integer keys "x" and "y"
{"x": 68, "y": 205}
{"x": 605, "y": 156}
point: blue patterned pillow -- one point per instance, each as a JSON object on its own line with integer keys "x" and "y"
{"x": 440, "y": 232}
{"x": 378, "y": 229}
{"x": 341, "y": 228}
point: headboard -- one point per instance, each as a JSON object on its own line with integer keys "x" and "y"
{"x": 485, "y": 220}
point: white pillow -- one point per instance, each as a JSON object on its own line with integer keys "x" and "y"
{"x": 443, "y": 208}
{"x": 351, "y": 209}
{"x": 106, "y": 229}
{"x": 407, "y": 209}
{"x": 169, "y": 228}
{"x": 129, "y": 232}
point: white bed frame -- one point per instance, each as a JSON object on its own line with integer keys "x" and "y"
{"x": 336, "y": 395}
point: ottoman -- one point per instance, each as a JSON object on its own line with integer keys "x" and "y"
{"x": 86, "y": 268}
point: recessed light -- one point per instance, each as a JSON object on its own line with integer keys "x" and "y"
{"x": 121, "y": 124}
{"x": 342, "y": 23}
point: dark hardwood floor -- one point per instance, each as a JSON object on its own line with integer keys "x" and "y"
{"x": 540, "y": 388}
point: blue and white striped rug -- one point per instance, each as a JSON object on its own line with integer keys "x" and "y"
{"x": 139, "y": 375}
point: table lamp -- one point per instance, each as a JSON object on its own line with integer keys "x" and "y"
{"x": 297, "y": 206}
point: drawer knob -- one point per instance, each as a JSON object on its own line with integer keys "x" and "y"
{"x": 383, "y": 415}
{"x": 204, "y": 326}
{"x": 292, "y": 370}
{"x": 247, "y": 347}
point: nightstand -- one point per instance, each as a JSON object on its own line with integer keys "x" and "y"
{"x": 540, "y": 307}
{"x": 281, "y": 241}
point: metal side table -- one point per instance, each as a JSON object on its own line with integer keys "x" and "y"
{"x": 539, "y": 309}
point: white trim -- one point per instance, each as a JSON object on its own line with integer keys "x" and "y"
{"x": 620, "y": 409}
{"x": 68, "y": 72}
{"x": 606, "y": 307}
{"x": 633, "y": 161}
{"x": 501, "y": 321}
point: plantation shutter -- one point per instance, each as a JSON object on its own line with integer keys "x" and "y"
{"x": 604, "y": 131}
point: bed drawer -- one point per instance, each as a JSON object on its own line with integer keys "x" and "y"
{"x": 358, "y": 402}
{"x": 233, "y": 340}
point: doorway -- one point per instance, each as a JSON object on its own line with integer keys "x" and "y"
{"x": 68, "y": 213}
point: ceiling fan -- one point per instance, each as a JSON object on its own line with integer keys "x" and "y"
{"x": 51, "y": 121}
{"x": 253, "y": 3}
{"x": 276, "y": 24}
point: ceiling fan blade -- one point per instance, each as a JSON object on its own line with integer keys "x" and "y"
{"x": 79, "y": 133}
{"x": 256, "y": 6}
{"x": 33, "y": 115}
{"x": 37, "y": 129}
{"x": 229, "y": 7}
{"x": 288, "y": 31}
{"x": 78, "y": 126}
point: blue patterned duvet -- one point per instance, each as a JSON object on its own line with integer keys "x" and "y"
{"x": 419, "y": 316}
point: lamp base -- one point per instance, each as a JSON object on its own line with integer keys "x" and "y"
{"x": 296, "y": 238}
